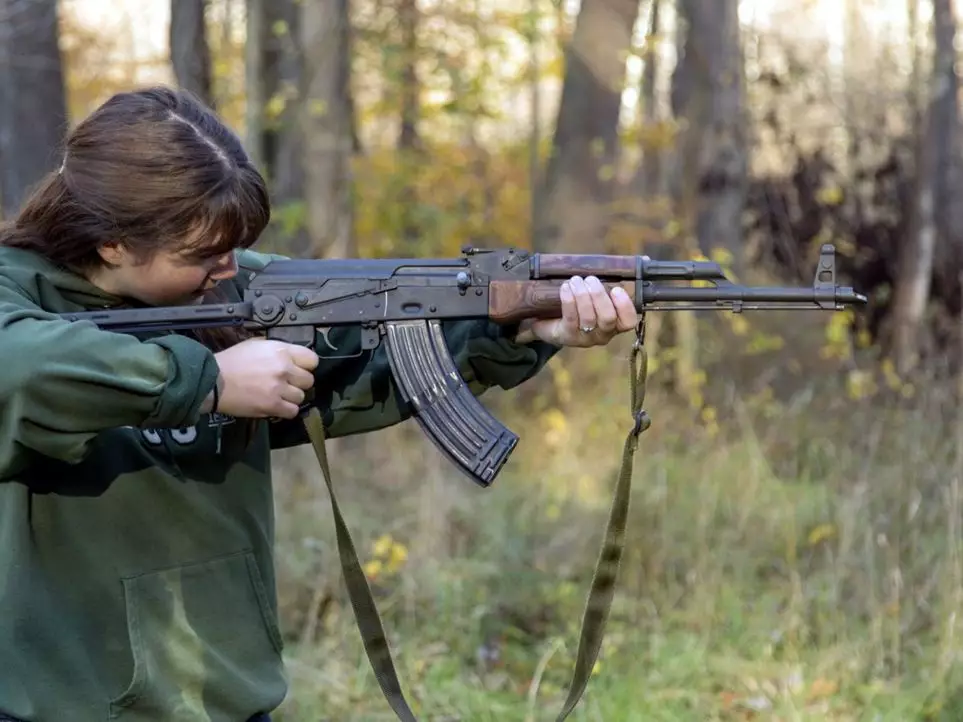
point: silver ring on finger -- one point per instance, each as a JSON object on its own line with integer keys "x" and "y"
{"x": 587, "y": 329}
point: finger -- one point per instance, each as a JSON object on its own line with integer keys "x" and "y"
{"x": 625, "y": 308}
{"x": 604, "y": 308}
{"x": 303, "y": 356}
{"x": 286, "y": 410}
{"x": 300, "y": 378}
{"x": 569, "y": 308}
{"x": 293, "y": 394}
{"x": 583, "y": 302}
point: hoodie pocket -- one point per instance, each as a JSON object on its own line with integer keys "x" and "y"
{"x": 204, "y": 642}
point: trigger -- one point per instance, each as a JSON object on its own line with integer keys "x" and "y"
{"x": 324, "y": 331}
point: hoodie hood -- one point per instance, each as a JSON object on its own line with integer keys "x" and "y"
{"x": 45, "y": 280}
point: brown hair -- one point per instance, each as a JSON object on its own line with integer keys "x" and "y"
{"x": 149, "y": 168}
{"x": 146, "y": 167}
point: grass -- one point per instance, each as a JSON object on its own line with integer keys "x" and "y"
{"x": 795, "y": 557}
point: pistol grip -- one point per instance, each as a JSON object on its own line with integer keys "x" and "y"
{"x": 452, "y": 417}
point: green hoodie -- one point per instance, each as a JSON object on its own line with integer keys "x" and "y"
{"x": 137, "y": 579}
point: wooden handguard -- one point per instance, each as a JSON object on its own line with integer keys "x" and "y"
{"x": 512, "y": 301}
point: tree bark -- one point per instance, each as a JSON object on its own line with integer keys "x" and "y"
{"x": 33, "y": 109}
{"x": 189, "y": 50}
{"x": 327, "y": 128}
{"x": 409, "y": 140}
{"x": 580, "y": 177}
{"x": 919, "y": 249}
{"x": 709, "y": 97}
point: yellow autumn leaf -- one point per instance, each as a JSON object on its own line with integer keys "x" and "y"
{"x": 382, "y": 545}
{"x": 317, "y": 108}
{"x": 397, "y": 557}
{"x": 722, "y": 256}
{"x": 821, "y": 533}
{"x": 740, "y": 326}
{"x": 275, "y": 106}
{"x": 860, "y": 384}
{"x": 372, "y": 568}
{"x": 830, "y": 195}
{"x": 893, "y": 380}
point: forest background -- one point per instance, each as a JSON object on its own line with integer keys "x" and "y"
{"x": 794, "y": 549}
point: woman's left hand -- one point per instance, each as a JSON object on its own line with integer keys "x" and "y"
{"x": 590, "y": 316}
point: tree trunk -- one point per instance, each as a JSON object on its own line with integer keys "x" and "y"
{"x": 579, "y": 180}
{"x": 709, "y": 174}
{"x": 257, "y": 86}
{"x": 33, "y": 111}
{"x": 946, "y": 131}
{"x": 409, "y": 142}
{"x": 327, "y": 128}
{"x": 535, "y": 84}
{"x": 644, "y": 193}
{"x": 917, "y": 253}
{"x": 190, "y": 55}
{"x": 647, "y": 191}
{"x": 713, "y": 144}
{"x": 274, "y": 81}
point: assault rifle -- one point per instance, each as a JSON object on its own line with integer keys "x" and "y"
{"x": 403, "y": 302}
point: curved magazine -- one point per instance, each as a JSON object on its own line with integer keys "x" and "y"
{"x": 455, "y": 420}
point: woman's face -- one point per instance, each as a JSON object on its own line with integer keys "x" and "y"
{"x": 168, "y": 278}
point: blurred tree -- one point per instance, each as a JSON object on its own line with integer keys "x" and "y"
{"x": 710, "y": 170}
{"x": 933, "y": 176}
{"x": 326, "y": 123}
{"x": 643, "y": 196}
{"x": 189, "y": 49}
{"x": 226, "y": 44}
{"x": 300, "y": 122}
{"x": 259, "y": 68}
{"x": 580, "y": 177}
{"x": 708, "y": 96}
{"x": 410, "y": 149}
{"x": 33, "y": 109}
{"x": 274, "y": 82}
{"x": 535, "y": 75}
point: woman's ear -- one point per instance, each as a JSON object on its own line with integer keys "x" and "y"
{"x": 113, "y": 253}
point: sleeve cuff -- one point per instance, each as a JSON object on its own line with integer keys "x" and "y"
{"x": 192, "y": 373}
{"x": 496, "y": 360}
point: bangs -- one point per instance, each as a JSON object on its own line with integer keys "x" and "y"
{"x": 231, "y": 219}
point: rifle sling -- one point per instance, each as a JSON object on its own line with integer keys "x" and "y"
{"x": 603, "y": 581}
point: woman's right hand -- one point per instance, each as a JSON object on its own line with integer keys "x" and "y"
{"x": 261, "y": 378}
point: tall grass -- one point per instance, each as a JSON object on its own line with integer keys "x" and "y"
{"x": 794, "y": 556}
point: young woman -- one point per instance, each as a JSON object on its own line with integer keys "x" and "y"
{"x": 136, "y": 518}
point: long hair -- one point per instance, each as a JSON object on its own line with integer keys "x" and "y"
{"x": 154, "y": 169}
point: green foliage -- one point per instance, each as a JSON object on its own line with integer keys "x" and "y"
{"x": 796, "y": 558}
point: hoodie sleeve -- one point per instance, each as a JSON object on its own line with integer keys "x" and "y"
{"x": 64, "y": 382}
